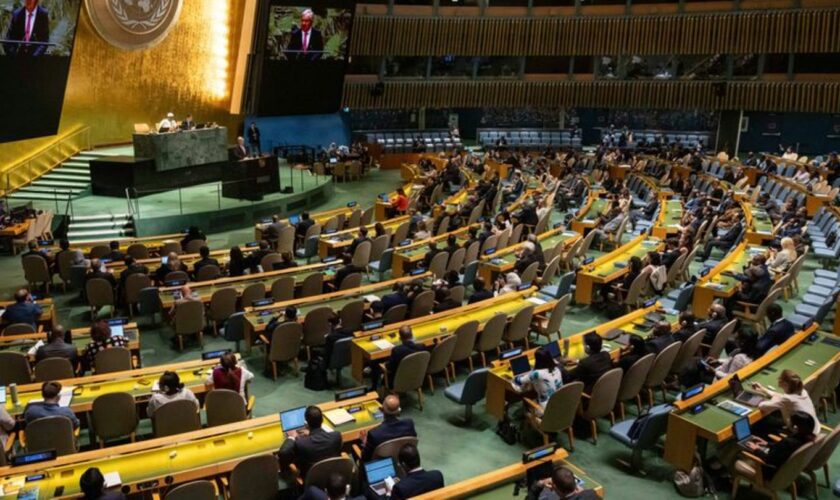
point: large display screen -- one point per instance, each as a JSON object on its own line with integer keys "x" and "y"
{"x": 305, "y": 57}
{"x": 36, "y": 42}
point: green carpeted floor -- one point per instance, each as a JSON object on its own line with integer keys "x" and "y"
{"x": 460, "y": 452}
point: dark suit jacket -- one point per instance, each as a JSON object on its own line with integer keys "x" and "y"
{"x": 305, "y": 451}
{"x": 712, "y": 327}
{"x": 732, "y": 234}
{"x": 240, "y": 153}
{"x": 315, "y": 49}
{"x": 203, "y": 262}
{"x": 590, "y": 369}
{"x": 303, "y": 226}
{"x": 657, "y": 344}
{"x": 416, "y": 483}
{"x": 446, "y": 305}
{"x": 58, "y": 349}
{"x": 24, "y": 312}
{"x": 253, "y": 135}
{"x": 778, "y": 332}
{"x": 393, "y": 299}
{"x": 134, "y": 269}
{"x": 391, "y": 428}
{"x": 17, "y": 31}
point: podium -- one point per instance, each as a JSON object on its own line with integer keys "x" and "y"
{"x": 188, "y": 148}
{"x": 251, "y": 178}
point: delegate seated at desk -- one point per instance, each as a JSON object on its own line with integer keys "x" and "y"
{"x": 392, "y": 427}
{"x": 58, "y": 348}
{"x": 561, "y": 485}
{"x": 240, "y": 152}
{"x": 24, "y": 310}
{"x": 49, "y": 407}
{"x": 306, "y": 447}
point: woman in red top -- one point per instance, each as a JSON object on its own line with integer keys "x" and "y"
{"x": 400, "y": 203}
{"x": 230, "y": 376}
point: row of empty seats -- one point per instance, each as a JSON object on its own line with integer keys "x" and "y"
{"x": 404, "y": 141}
{"x": 529, "y": 138}
{"x": 687, "y": 139}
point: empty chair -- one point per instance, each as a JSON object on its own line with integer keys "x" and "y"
{"x": 719, "y": 342}
{"x": 395, "y": 314}
{"x": 255, "y": 291}
{"x": 189, "y": 320}
{"x": 99, "y": 293}
{"x": 820, "y": 459}
{"x": 36, "y": 271}
{"x": 352, "y": 314}
{"x": 602, "y": 400}
{"x": 285, "y": 346}
{"x": 439, "y": 362}
{"x": 422, "y": 304}
{"x": 54, "y": 369}
{"x": 491, "y": 336}
{"x": 530, "y": 273}
{"x": 14, "y": 369}
{"x": 316, "y": 325}
{"x": 176, "y": 417}
{"x": 547, "y": 327}
{"x": 383, "y": 264}
{"x": 559, "y": 413}
{"x": 268, "y": 261}
{"x": 469, "y": 392}
{"x": 339, "y": 358}
{"x": 687, "y": 352}
{"x": 193, "y": 246}
{"x": 312, "y": 285}
{"x": 196, "y": 490}
{"x": 222, "y": 306}
{"x": 456, "y": 260}
{"x": 133, "y": 285}
{"x": 361, "y": 256}
{"x": 465, "y": 335}
{"x": 651, "y": 429}
{"x": 519, "y": 327}
{"x": 114, "y": 415}
{"x": 254, "y": 478}
{"x": 438, "y": 264}
{"x": 410, "y": 375}
{"x": 283, "y": 289}
{"x": 224, "y": 406}
{"x": 18, "y": 329}
{"x": 51, "y": 433}
{"x": 660, "y": 369}
{"x": 633, "y": 381}
{"x": 208, "y": 272}
{"x": 351, "y": 281}
{"x": 176, "y": 276}
{"x": 286, "y": 242}
{"x": 138, "y": 251}
{"x": 171, "y": 247}
{"x": 113, "y": 359}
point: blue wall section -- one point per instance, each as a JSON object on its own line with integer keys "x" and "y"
{"x": 307, "y": 130}
{"x": 813, "y": 133}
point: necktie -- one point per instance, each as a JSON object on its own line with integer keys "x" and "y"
{"x": 305, "y": 41}
{"x": 28, "y": 26}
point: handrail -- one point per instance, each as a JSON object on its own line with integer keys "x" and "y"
{"x": 46, "y": 158}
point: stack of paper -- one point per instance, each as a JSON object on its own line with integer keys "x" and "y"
{"x": 35, "y": 348}
{"x": 383, "y": 344}
{"x": 371, "y": 298}
{"x": 536, "y": 300}
{"x": 339, "y": 416}
{"x": 66, "y": 396}
{"x": 112, "y": 479}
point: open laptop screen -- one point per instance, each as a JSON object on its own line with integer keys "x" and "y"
{"x": 293, "y": 419}
{"x": 377, "y": 470}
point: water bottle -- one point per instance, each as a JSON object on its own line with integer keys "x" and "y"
{"x": 13, "y": 392}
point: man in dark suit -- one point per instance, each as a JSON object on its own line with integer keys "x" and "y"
{"x": 97, "y": 270}
{"x": 561, "y": 484}
{"x": 446, "y": 301}
{"x": 307, "y": 43}
{"x": 717, "y": 318}
{"x": 306, "y": 448}
{"x": 303, "y": 225}
{"x": 392, "y": 427}
{"x": 205, "y": 260}
{"x": 115, "y": 254}
{"x": 257, "y": 256}
{"x": 240, "y": 152}
{"x": 779, "y": 331}
{"x": 24, "y": 310}
{"x": 273, "y": 230}
{"x": 253, "y": 133}
{"x": 724, "y": 242}
{"x": 30, "y": 23}
{"x": 188, "y": 123}
{"x": 416, "y": 481}
{"x": 131, "y": 267}
{"x": 595, "y": 364}
{"x": 395, "y": 298}
{"x": 406, "y": 346}
{"x": 363, "y": 236}
{"x": 480, "y": 291}
{"x": 58, "y": 348}
{"x": 337, "y": 489}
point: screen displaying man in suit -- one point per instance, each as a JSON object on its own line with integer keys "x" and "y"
{"x": 30, "y": 23}
{"x": 307, "y": 43}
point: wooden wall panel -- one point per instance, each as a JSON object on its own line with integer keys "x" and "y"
{"x": 777, "y": 31}
{"x": 822, "y": 97}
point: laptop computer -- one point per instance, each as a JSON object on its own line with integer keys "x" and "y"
{"x": 292, "y": 420}
{"x": 378, "y": 472}
{"x": 742, "y": 395}
{"x": 553, "y": 349}
{"x": 294, "y": 219}
{"x": 520, "y": 365}
{"x": 743, "y": 434}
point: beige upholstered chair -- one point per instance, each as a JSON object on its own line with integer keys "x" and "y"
{"x": 559, "y": 413}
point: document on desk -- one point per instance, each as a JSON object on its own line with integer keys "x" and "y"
{"x": 371, "y": 298}
{"x": 383, "y": 344}
{"x": 112, "y": 479}
{"x": 66, "y": 396}
{"x": 339, "y": 416}
{"x": 536, "y": 300}
{"x": 35, "y": 348}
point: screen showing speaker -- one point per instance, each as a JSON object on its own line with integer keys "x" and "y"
{"x": 36, "y": 42}
{"x": 305, "y": 57}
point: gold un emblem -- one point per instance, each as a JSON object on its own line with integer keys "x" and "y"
{"x": 133, "y": 24}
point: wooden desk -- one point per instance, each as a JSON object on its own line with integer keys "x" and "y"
{"x": 257, "y": 319}
{"x": 759, "y": 225}
{"x": 204, "y": 454}
{"x": 405, "y": 258}
{"x": 589, "y": 213}
{"x": 136, "y": 382}
{"x": 504, "y": 259}
{"x": 46, "y": 321}
{"x": 383, "y": 207}
{"x": 152, "y": 243}
{"x": 188, "y": 259}
{"x": 428, "y": 329}
{"x": 610, "y": 267}
{"x": 687, "y": 430}
{"x": 333, "y": 243}
{"x": 499, "y": 484}
{"x": 715, "y": 285}
{"x": 80, "y": 339}
{"x": 319, "y": 218}
{"x": 206, "y": 289}
{"x": 670, "y": 214}
{"x": 16, "y": 229}
{"x": 500, "y": 387}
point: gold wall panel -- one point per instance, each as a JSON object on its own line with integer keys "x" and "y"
{"x": 745, "y": 32}
{"x": 110, "y": 89}
{"x": 814, "y": 97}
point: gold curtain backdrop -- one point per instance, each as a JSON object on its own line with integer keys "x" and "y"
{"x": 110, "y": 89}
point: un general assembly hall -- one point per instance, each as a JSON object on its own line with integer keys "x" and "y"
{"x": 427, "y": 249}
